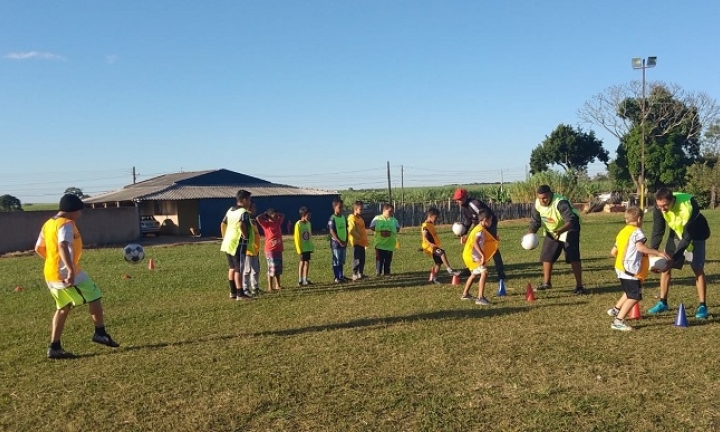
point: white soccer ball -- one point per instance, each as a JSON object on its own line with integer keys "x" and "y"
{"x": 458, "y": 229}
{"x": 529, "y": 241}
{"x": 658, "y": 264}
{"x": 133, "y": 253}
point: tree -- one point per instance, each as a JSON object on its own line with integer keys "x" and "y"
{"x": 571, "y": 149}
{"x": 10, "y": 203}
{"x": 75, "y": 191}
{"x": 673, "y": 119}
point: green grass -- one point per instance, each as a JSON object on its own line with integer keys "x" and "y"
{"x": 39, "y": 206}
{"x": 376, "y": 355}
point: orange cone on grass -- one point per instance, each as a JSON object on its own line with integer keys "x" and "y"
{"x": 456, "y": 280}
{"x": 151, "y": 264}
{"x": 529, "y": 293}
{"x": 635, "y": 312}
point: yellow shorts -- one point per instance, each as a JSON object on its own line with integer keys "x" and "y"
{"x": 84, "y": 292}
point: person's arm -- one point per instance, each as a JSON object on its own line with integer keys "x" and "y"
{"x": 478, "y": 243}
{"x": 296, "y": 239}
{"x": 245, "y": 226}
{"x": 40, "y": 247}
{"x": 372, "y": 225}
{"x": 658, "y": 229}
{"x": 568, "y": 215}
{"x": 535, "y": 221}
{"x": 641, "y": 247}
{"x": 614, "y": 251}
{"x": 66, "y": 257}
{"x": 469, "y": 217}
{"x": 397, "y": 225}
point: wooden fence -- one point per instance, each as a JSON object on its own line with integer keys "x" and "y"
{"x": 413, "y": 214}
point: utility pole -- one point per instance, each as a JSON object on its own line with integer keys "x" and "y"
{"x": 501, "y": 180}
{"x": 134, "y": 176}
{"x": 402, "y": 184}
{"x": 389, "y": 186}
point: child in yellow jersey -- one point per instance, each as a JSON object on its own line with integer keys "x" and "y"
{"x": 251, "y": 282}
{"x": 432, "y": 246}
{"x": 358, "y": 239}
{"x": 61, "y": 246}
{"x": 304, "y": 245}
{"x": 479, "y": 248}
{"x": 631, "y": 265}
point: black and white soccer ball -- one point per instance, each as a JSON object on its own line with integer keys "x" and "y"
{"x": 133, "y": 253}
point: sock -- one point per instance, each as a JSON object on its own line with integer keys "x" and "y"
{"x": 703, "y": 304}
{"x": 618, "y": 321}
{"x": 233, "y": 288}
{"x": 100, "y": 331}
{"x": 55, "y": 345}
{"x": 616, "y": 309}
{"x": 663, "y": 301}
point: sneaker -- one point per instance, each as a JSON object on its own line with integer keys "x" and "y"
{"x": 337, "y": 281}
{"x": 436, "y": 282}
{"x": 658, "y": 308}
{"x": 621, "y": 326}
{"x": 467, "y": 297}
{"x": 613, "y": 312}
{"x": 58, "y": 354}
{"x": 233, "y": 297}
{"x": 543, "y": 286}
{"x": 255, "y": 292}
{"x": 308, "y": 282}
{"x": 355, "y": 277}
{"x": 105, "y": 340}
{"x": 346, "y": 279}
{"x": 701, "y": 312}
{"x": 580, "y": 291}
{"x": 243, "y": 297}
{"x": 247, "y": 293}
{"x": 483, "y": 301}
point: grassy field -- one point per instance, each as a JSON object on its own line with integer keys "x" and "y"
{"x": 383, "y": 354}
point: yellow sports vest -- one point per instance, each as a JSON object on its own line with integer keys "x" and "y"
{"x": 489, "y": 248}
{"x": 430, "y": 227}
{"x": 254, "y": 242}
{"x": 550, "y": 216}
{"x": 231, "y": 239}
{"x": 303, "y": 237}
{"x": 622, "y": 243}
{"x": 357, "y": 235}
{"x": 679, "y": 215}
{"x": 53, "y": 262}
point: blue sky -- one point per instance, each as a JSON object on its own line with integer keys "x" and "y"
{"x": 304, "y": 92}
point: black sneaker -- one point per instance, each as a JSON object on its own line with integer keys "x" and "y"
{"x": 58, "y": 354}
{"x": 580, "y": 291}
{"x": 543, "y": 286}
{"x": 105, "y": 340}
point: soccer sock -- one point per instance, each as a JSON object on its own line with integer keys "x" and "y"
{"x": 100, "y": 331}
{"x": 233, "y": 288}
{"x": 663, "y": 301}
{"x": 55, "y": 345}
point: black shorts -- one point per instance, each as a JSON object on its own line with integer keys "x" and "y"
{"x": 237, "y": 262}
{"x": 437, "y": 254}
{"x": 552, "y": 248}
{"x": 632, "y": 288}
{"x": 305, "y": 256}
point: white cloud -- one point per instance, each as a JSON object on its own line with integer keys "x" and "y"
{"x": 111, "y": 58}
{"x": 33, "y": 55}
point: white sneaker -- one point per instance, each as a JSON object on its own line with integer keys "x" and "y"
{"x": 621, "y": 326}
{"x": 482, "y": 301}
{"x": 612, "y": 312}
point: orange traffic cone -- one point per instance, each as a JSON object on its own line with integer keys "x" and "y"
{"x": 151, "y": 264}
{"x": 456, "y": 280}
{"x": 529, "y": 293}
{"x": 432, "y": 275}
{"x": 635, "y": 312}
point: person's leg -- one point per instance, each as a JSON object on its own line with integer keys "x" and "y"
{"x": 633, "y": 294}
{"x": 468, "y": 284}
{"x": 96, "y": 313}
{"x": 547, "y": 273}
{"x": 481, "y": 284}
{"x": 335, "y": 258}
{"x": 550, "y": 252}
{"x": 378, "y": 262}
{"x": 247, "y": 268}
{"x": 387, "y": 263}
{"x": 254, "y": 273}
{"x": 361, "y": 263}
{"x": 231, "y": 276}
{"x": 58, "y": 323}
{"x": 497, "y": 258}
{"x": 577, "y": 272}
{"x": 621, "y": 302}
{"x": 342, "y": 255}
{"x": 572, "y": 255}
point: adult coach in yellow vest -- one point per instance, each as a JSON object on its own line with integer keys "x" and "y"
{"x": 561, "y": 222}
{"x": 688, "y": 230}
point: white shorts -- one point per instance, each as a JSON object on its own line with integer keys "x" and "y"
{"x": 479, "y": 270}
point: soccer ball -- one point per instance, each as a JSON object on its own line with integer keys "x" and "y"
{"x": 458, "y": 229}
{"x": 529, "y": 241}
{"x": 658, "y": 264}
{"x": 133, "y": 253}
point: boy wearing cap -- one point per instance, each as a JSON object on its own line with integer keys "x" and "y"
{"x": 60, "y": 244}
{"x": 470, "y": 209}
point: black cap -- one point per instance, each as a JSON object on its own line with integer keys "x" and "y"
{"x": 71, "y": 203}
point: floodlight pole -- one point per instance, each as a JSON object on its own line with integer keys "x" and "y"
{"x": 641, "y": 64}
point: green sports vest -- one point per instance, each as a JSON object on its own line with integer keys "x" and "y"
{"x": 679, "y": 215}
{"x": 340, "y": 227}
{"x": 231, "y": 240}
{"x": 550, "y": 216}
{"x": 382, "y": 224}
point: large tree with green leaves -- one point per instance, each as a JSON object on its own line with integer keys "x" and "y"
{"x": 569, "y": 148}
{"x": 669, "y": 118}
{"x": 10, "y": 203}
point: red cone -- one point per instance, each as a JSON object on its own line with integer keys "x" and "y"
{"x": 635, "y": 312}
{"x": 529, "y": 293}
{"x": 456, "y": 280}
{"x": 151, "y": 264}
{"x": 18, "y": 288}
